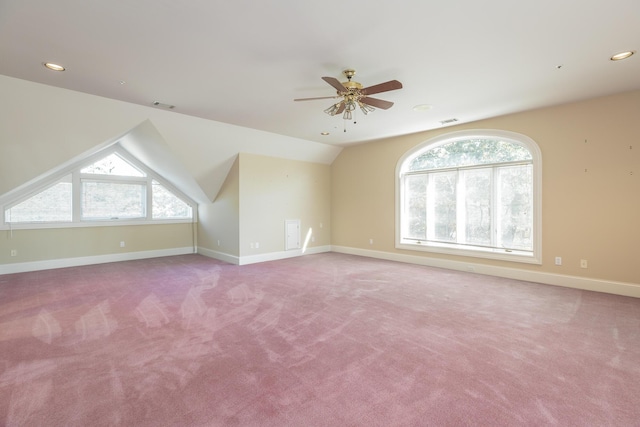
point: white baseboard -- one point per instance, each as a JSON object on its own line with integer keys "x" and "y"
{"x": 221, "y": 256}
{"x": 597, "y": 285}
{"x": 23, "y": 267}
{"x": 271, "y": 256}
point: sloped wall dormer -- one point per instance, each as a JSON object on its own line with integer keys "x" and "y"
{"x": 125, "y": 199}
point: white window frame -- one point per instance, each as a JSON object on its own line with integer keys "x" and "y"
{"x": 533, "y": 257}
{"x": 76, "y": 179}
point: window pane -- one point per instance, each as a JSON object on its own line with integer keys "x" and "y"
{"x": 112, "y": 165}
{"x": 477, "y": 188}
{"x": 416, "y": 207}
{"x": 469, "y": 152}
{"x": 50, "y": 205}
{"x": 515, "y": 206}
{"x": 441, "y": 205}
{"x": 110, "y": 200}
{"x": 167, "y": 205}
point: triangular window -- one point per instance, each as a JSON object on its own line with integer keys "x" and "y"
{"x": 113, "y": 165}
{"x": 167, "y": 205}
{"x": 116, "y": 187}
{"x": 53, "y": 204}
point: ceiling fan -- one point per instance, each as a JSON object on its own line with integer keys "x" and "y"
{"x": 352, "y": 95}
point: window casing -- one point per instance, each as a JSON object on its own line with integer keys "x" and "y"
{"x": 472, "y": 193}
{"x": 109, "y": 188}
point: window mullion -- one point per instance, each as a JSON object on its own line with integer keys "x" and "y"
{"x": 430, "y": 206}
{"x": 461, "y": 216}
{"x": 404, "y": 204}
{"x": 76, "y": 197}
{"x": 495, "y": 213}
{"x": 149, "y": 199}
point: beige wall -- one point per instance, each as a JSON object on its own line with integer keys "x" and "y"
{"x": 273, "y": 190}
{"x": 76, "y": 242}
{"x": 591, "y": 187}
{"x": 219, "y": 227}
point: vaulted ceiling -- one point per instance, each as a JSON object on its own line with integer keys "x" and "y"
{"x": 243, "y": 62}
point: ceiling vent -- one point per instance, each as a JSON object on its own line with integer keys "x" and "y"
{"x": 446, "y": 122}
{"x": 161, "y": 105}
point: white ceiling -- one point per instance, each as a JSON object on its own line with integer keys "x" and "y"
{"x": 244, "y": 61}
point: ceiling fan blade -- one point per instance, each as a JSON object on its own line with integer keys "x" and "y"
{"x": 382, "y": 87}
{"x": 335, "y": 83}
{"x": 375, "y": 102}
{"x": 311, "y": 99}
{"x": 341, "y": 108}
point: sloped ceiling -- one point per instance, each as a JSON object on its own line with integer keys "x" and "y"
{"x": 243, "y": 62}
{"x": 147, "y": 145}
{"x": 44, "y": 129}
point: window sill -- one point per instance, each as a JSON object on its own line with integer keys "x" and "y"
{"x": 103, "y": 223}
{"x": 459, "y": 250}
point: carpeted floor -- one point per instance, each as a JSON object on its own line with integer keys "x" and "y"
{"x": 320, "y": 340}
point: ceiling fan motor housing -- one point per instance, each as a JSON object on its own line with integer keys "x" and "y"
{"x": 352, "y": 86}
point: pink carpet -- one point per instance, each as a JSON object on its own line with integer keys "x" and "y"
{"x": 320, "y": 340}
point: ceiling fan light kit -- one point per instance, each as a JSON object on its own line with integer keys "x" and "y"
{"x": 352, "y": 95}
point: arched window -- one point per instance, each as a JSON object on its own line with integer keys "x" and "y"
{"x": 473, "y": 193}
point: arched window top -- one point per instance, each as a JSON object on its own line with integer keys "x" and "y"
{"x": 469, "y": 148}
{"x": 468, "y": 152}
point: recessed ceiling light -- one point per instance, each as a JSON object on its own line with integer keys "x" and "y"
{"x": 54, "y": 67}
{"x": 622, "y": 55}
{"x": 422, "y": 107}
{"x": 324, "y": 133}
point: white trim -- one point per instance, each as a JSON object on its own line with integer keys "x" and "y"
{"x": 24, "y": 267}
{"x": 584, "y": 283}
{"x": 486, "y": 253}
{"x": 589, "y": 284}
{"x": 270, "y": 256}
{"x": 221, "y": 256}
{"x": 93, "y": 223}
{"x": 291, "y": 253}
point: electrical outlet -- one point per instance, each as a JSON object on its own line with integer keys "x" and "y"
{"x": 122, "y": 244}
{"x": 584, "y": 263}
{"x": 14, "y": 252}
{"x": 558, "y": 260}
{"x": 371, "y": 241}
{"x": 257, "y": 245}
